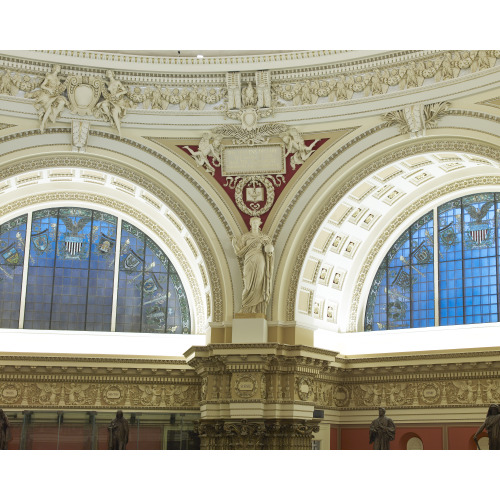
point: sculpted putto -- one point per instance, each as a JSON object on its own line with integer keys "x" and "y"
{"x": 209, "y": 146}
{"x": 258, "y": 253}
{"x": 295, "y": 145}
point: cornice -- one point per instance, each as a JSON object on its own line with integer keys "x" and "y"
{"x": 312, "y": 59}
{"x": 319, "y": 82}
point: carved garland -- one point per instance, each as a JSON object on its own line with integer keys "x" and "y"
{"x": 159, "y": 93}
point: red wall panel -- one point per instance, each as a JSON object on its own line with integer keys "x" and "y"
{"x": 333, "y": 438}
{"x": 356, "y": 438}
{"x": 460, "y": 438}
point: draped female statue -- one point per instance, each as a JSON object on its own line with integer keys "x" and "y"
{"x": 256, "y": 249}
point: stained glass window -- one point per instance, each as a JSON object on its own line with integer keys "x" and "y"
{"x": 402, "y": 294}
{"x": 467, "y": 258}
{"x": 12, "y": 243}
{"x": 71, "y": 276}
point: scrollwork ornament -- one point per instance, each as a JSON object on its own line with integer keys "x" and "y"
{"x": 83, "y": 93}
{"x": 263, "y": 386}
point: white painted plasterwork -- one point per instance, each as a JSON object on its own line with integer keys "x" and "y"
{"x": 332, "y": 276}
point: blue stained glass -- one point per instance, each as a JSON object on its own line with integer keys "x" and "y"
{"x": 12, "y": 247}
{"x": 70, "y": 277}
{"x": 69, "y": 245}
{"x": 468, "y": 261}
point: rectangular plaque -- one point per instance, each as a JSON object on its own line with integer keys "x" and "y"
{"x": 262, "y": 159}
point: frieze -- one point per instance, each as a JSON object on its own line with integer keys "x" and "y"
{"x": 93, "y": 393}
{"x": 287, "y": 87}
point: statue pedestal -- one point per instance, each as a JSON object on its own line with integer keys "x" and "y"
{"x": 249, "y": 328}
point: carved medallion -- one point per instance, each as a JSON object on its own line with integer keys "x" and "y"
{"x": 245, "y": 386}
{"x": 83, "y": 93}
{"x": 304, "y": 388}
{"x": 11, "y": 394}
{"x": 113, "y": 395}
{"x": 430, "y": 393}
{"x": 341, "y": 396}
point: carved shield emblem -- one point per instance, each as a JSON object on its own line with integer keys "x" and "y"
{"x": 83, "y": 93}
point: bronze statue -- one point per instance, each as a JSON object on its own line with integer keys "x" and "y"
{"x": 492, "y": 425}
{"x": 382, "y": 431}
{"x": 5, "y": 434}
{"x": 118, "y": 432}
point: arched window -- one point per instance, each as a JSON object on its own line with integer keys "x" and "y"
{"x": 443, "y": 270}
{"x": 86, "y": 270}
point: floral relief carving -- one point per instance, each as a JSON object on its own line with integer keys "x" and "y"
{"x": 264, "y": 91}
{"x": 390, "y": 394}
{"x": 416, "y": 119}
{"x": 80, "y": 394}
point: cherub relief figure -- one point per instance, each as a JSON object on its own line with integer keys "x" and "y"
{"x": 209, "y": 146}
{"x": 10, "y": 82}
{"x": 295, "y": 145}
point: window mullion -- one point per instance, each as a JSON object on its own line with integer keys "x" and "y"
{"x": 437, "y": 316}
{"x": 24, "y": 284}
{"x": 116, "y": 273}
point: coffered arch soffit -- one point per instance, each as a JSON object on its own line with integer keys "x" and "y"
{"x": 335, "y": 247}
{"x": 35, "y": 166}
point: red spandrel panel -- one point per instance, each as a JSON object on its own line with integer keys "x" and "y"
{"x": 277, "y": 184}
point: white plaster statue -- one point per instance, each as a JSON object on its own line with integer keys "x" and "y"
{"x": 295, "y": 145}
{"x": 115, "y": 104}
{"x": 48, "y": 99}
{"x": 258, "y": 253}
{"x": 209, "y": 146}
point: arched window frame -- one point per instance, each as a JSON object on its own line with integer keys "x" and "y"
{"x": 120, "y": 220}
